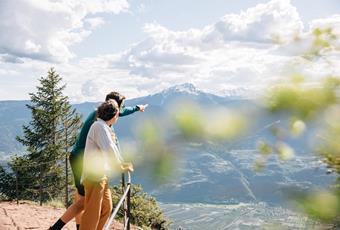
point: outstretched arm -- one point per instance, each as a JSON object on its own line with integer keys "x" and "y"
{"x": 129, "y": 110}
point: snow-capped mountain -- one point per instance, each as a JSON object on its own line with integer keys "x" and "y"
{"x": 211, "y": 173}
{"x": 188, "y": 88}
{"x": 231, "y": 93}
{"x": 239, "y": 92}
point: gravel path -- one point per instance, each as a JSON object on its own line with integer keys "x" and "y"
{"x": 28, "y": 215}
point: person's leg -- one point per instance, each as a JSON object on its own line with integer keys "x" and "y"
{"x": 58, "y": 225}
{"x": 79, "y": 216}
{"x": 78, "y": 204}
{"x": 94, "y": 192}
{"x": 76, "y": 208}
{"x": 78, "y": 219}
{"x": 76, "y": 161}
{"x": 106, "y": 206}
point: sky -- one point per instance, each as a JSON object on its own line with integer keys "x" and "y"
{"x": 140, "y": 47}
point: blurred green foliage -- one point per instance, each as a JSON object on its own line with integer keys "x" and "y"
{"x": 219, "y": 124}
{"x": 163, "y": 139}
{"x": 303, "y": 103}
{"x": 329, "y": 135}
{"x": 324, "y": 39}
{"x": 322, "y": 205}
{"x": 297, "y": 100}
{"x": 190, "y": 121}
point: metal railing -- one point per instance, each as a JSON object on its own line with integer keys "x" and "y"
{"x": 125, "y": 200}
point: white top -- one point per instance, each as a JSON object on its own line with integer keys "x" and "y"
{"x": 101, "y": 154}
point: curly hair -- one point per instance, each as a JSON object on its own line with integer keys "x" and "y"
{"x": 107, "y": 110}
{"x": 119, "y": 98}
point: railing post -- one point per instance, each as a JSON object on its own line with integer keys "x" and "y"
{"x": 17, "y": 186}
{"x": 124, "y": 203}
{"x": 129, "y": 205}
{"x": 40, "y": 186}
{"x": 123, "y": 182}
{"x": 66, "y": 180}
{"x": 66, "y": 165}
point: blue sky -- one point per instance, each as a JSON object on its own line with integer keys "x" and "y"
{"x": 126, "y": 28}
{"x": 140, "y": 47}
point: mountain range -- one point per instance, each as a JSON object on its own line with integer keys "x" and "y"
{"x": 215, "y": 172}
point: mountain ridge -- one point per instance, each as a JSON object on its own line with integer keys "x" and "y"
{"x": 226, "y": 167}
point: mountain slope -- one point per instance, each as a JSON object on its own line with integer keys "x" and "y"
{"x": 208, "y": 172}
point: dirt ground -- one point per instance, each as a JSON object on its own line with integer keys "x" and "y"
{"x": 28, "y": 215}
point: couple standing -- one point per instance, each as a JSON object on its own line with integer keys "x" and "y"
{"x": 95, "y": 155}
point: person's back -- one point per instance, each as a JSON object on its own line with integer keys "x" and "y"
{"x": 79, "y": 146}
{"x": 98, "y": 151}
{"x": 101, "y": 154}
{"x": 77, "y": 153}
{"x": 76, "y": 159}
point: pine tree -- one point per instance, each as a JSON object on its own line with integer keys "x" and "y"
{"x": 48, "y": 137}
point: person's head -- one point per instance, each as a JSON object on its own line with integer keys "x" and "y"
{"x": 117, "y": 97}
{"x": 108, "y": 111}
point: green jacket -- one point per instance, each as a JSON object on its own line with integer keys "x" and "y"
{"x": 79, "y": 146}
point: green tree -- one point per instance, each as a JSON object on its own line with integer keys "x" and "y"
{"x": 144, "y": 209}
{"x": 47, "y": 138}
{"x": 7, "y": 185}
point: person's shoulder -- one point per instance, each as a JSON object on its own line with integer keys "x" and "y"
{"x": 95, "y": 125}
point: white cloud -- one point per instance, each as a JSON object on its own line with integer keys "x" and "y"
{"x": 245, "y": 51}
{"x": 90, "y": 88}
{"x": 7, "y": 72}
{"x": 44, "y": 29}
{"x": 330, "y": 22}
{"x": 277, "y": 20}
{"x": 10, "y": 58}
{"x": 32, "y": 47}
{"x": 236, "y": 50}
{"x": 251, "y": 49}
{"x": 305, "y": 44}
{"x": 95, "y": 22}
{"x": 142, "y": 8}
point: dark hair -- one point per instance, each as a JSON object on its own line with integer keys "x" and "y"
{"x": 115, "y": 96}
{"x": 107, "y": 110}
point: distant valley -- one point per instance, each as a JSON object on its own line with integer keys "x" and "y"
{"x": 207, "y": 173}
